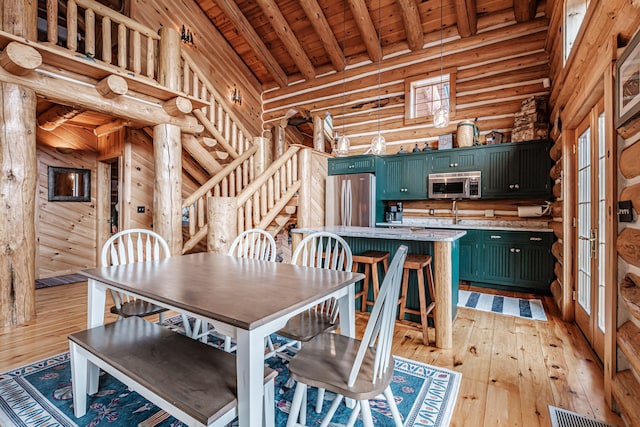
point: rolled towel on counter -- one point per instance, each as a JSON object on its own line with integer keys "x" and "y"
{"x": 530, "y": 211}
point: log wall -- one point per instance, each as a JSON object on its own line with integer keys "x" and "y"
{"x": 496, "y": 70}
{"x": 66, "y": 230}
{"x": 139, "y": 180}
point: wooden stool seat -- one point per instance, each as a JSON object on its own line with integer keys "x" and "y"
{"x": 370, "y": 260}
{"x": 418, "y": 263}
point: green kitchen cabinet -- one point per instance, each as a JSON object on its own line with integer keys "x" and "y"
{"x": 456, "y": 160}
{"x": 402, "y": 177}
{"x": 516, "y": 170}
{"x": 469, "y": 254}
{"x": 517, "y": 260}
{"x": 352, "y": 164}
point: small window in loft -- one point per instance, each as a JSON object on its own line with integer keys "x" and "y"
{"x": 425, "y": 95}
{"x": 574, "y": 13}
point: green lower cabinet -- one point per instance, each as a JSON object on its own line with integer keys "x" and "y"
{"x": 516, "y": 260}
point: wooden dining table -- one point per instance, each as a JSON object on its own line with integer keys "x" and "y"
{"x": 242, "y": 298}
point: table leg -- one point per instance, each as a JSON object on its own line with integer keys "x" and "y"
{"x": 250, "y": 372}
{"x": 443, "y": 286}
{"x": 97, "y": 296}
{"x": 347, "y": 310}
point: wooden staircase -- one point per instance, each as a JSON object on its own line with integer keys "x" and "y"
{"x": 626, "y": 384}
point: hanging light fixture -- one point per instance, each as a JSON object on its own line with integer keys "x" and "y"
{"x": 378, "y": 143}
{"x": 441, "y": 115}
{"x": 342, "y": 142}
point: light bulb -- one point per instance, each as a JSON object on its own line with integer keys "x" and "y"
{"x": 378, "y": 145}
{"x": 441, "y": 117}
{"x": 343, "y": 145}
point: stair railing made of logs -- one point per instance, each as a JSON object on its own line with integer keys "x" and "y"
{"x": 224, "y": 126}
{"x": 132, "y": 60}
{"x": 257, "y": 206}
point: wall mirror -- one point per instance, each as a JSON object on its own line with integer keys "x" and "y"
{"x": 69, "y": 184}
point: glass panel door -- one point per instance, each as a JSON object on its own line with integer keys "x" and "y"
{"x": 590, "y": 230}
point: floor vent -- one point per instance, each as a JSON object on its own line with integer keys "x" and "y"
{"x": 564, "y": 418}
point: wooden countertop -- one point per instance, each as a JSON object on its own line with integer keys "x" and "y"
{"x": 425, "y": 235}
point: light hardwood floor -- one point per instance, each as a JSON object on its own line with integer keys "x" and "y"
{"x": 512, "y": 369}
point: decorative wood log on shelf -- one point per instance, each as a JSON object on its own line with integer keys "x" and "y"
{"x": 557, "y": 228}
{"x": 556, "y": 170}
{"x": 630, "y": 293}
{"x": 556, "y": 250}
{"x": 629, "y": 164}
{"x": 632, "y": 193}
{"x": 628, "y": 245}
{"x": 556, "y": 150}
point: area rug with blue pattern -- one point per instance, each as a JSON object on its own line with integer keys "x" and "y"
{"x": 40, "y": 395}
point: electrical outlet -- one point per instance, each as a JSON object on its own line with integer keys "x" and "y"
{"x": 432, "y": 212}
{"x": 140, "y": 209}
{"x": 489, "y": 213}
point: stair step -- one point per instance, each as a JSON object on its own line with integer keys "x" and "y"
{"x": 629, "y": 343}
{"x": 630, "y": 293}
{"x": 626, "y": 390}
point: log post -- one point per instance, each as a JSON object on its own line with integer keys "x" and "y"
{"x": 222, "y": 220}
{"x": 279, "y": 141}
{"x": 263, "y": 155}
{"x": 167, "y": 185}
{"x": 169, "y": 58}
{"x": 318, "y": 132}
{"x": 18, "y": 179}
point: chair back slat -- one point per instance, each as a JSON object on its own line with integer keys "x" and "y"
{"x": 323, "y": 250}
{"x": 254, "y": 244}
{"x": 378, "y": 334}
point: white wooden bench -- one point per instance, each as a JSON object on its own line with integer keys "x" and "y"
{"x": 192, "y": 381}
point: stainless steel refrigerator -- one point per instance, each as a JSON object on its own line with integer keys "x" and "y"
{"x": 350, "y": 200}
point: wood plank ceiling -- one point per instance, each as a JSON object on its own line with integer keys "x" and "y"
{"x": 287, "y": 41}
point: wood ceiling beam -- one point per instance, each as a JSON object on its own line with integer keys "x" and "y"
{"x": 322, "y": 28}
{"x": 412, "y": 24}
{"x": 467, "y": 18}
{"x": 240, "y": 22}
{"x": 57, "y": 115}
{"x": 288, "y": 38}
{"x": 524, "y": 10}
{"x": 366, "y": 28}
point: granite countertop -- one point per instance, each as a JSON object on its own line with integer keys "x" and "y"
{"x": 470, "y": 224}
{"x": 404, "y": 233}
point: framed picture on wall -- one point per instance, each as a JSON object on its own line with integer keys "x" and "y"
{"x": 628, "y": 83}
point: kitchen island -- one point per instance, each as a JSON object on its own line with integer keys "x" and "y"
{"x": 443, "y": 245}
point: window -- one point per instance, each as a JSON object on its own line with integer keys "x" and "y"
{"x": 574, "y": 12}
{"x": 426, "y": 94}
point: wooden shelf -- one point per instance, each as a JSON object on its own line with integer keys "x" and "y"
{"x": 626, "y": 390}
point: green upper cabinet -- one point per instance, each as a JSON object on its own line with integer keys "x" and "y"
{"x": 352, "y": 164}
{"x": 402, "y": 177}
{"x": 518, "y": 169}
{"x": 462, "y": 159}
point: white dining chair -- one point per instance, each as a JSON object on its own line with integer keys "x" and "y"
{"x": 128, "y": 247}
{"x": 322, "y": 250}
{"x": 254, "y": 244}
{"x": 352, "y": 368}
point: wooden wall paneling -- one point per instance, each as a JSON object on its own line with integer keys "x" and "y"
{"x": 140, "y": 174}
{"x": 66, "y": 230}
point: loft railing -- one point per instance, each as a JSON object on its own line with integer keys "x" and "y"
{"x": 135, "y": 47}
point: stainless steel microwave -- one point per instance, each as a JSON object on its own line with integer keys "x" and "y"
{"x": 454, "y": 185}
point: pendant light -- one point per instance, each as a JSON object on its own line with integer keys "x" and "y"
{"x": 441, "y": 115}
{"x": 342, "y": 142}
{"x": 378, "y": 143}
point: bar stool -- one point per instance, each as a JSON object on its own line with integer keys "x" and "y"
{"x": 370, "y": 260}
{"x": 418, "y": 263}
